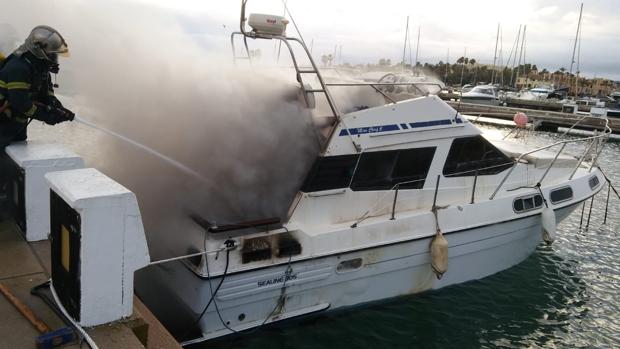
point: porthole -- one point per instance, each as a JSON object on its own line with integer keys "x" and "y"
{"x": 594, "y": 182}
{"x": 527, "y": 203}
{"x": 561, "y": 194}
{"x": 349, "y": 265}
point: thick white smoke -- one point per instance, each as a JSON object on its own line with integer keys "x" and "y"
{"x": 134, "y": 69}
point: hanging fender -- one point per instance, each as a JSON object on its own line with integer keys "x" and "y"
{"x": 548, "y": 225}
{"x": 439, "y": 254}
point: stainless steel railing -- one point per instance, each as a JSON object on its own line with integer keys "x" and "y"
{"x": 594, "y": 139}
{"x": 597, "y": 140}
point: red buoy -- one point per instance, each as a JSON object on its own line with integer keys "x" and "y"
{"x": 520, "y": 119}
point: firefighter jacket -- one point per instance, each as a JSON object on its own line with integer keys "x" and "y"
{"x": 26, "y": 92}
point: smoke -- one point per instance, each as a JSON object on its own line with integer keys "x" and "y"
{"x": 8, "y": 39}
{"x": 134, "y": 70}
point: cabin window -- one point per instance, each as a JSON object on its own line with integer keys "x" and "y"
{"x": 527, "y": 203}
{"x": 474, "y": 153}
{"x": 561, "y": 194}
{"x": 382, "y": 170}
{"x": 594, "y": 182}
{"x": 330, "y": 172}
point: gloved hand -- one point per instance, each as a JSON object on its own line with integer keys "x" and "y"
{"x": 67, "y": 114}
{"x": 58, "y": 115}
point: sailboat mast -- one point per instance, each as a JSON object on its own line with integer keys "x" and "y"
{"x": 445, "y": 79}
{"x": 410, "y": 55}
{"x": 405, "y": 45}
{"x": 514, "y": 57}
{"x": 501, "y": 56}
{"x": 463, "y": 67}
{"x": 520, "y": 55}
{"x": 417, "y": 50}
{"x": 572, "y": 61}
{"x": 493, "y": 73}
{"x": 576, "y": 38}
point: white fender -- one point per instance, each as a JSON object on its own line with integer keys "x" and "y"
{"x": 548, "y": 225}
{"x": 439, "y": 254}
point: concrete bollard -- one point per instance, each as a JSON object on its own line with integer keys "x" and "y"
{"x": 28, "y": 190}
{"x": 97, "y": 243}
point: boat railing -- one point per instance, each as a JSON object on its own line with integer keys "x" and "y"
{"x": 596, "y": 139}
{"x": 394, "y": 190}
{"x": 306, "y": 89}
{"x": 596, "y": 143}
{"x": 376, "y": 86}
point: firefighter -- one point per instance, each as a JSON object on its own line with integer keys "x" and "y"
{"x": 27, "y": 92}
{"x": 26, "y": 89}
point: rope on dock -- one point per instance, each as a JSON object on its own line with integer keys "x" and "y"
{"x": 75, "y": 325}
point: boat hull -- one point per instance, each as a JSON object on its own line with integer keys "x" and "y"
{"x": 481, "y": 100}
{"x": 249, "y": 299}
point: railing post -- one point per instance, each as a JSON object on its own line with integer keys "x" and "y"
{"x": 394, "y": 203}
{"x": 583, "y": 158}
{"x": 551, "y": 164}
{"x": 473, "y": 191}
{"x": 504, "y": 179}
{"x": 598, "y": 153}
{"x": 436, "y": 190}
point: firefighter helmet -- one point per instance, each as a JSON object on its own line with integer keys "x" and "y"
{"x": 45, "y": 43}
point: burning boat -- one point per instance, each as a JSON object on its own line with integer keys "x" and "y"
{"x": 404, "y": 197}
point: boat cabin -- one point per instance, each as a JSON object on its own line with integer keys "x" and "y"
{"x": 414, "y": 143}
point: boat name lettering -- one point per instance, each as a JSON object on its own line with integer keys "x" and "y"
{"x": 277, "y": 280}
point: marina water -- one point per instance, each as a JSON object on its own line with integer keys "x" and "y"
{"x": 566, "y": 295}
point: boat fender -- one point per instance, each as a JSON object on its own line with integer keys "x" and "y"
{"x": 548, "y": 225}
{"x": 520, "y": 119}
{"x": 439, "y": 254}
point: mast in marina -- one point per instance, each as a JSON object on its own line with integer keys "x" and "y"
{"x": 577, "y": 34}
{"x": 494, "y": 73}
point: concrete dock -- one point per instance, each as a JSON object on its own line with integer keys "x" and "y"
{"x": 25, "y": 265}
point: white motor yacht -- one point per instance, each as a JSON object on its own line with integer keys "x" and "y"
{"x": 481, "y": 94}
{"x": 404, "y": 197}
{"x": 541, "y": 92}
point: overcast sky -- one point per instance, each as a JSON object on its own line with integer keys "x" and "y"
{"x": 367, "y": 30}
{"x": 370, "y": 30}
